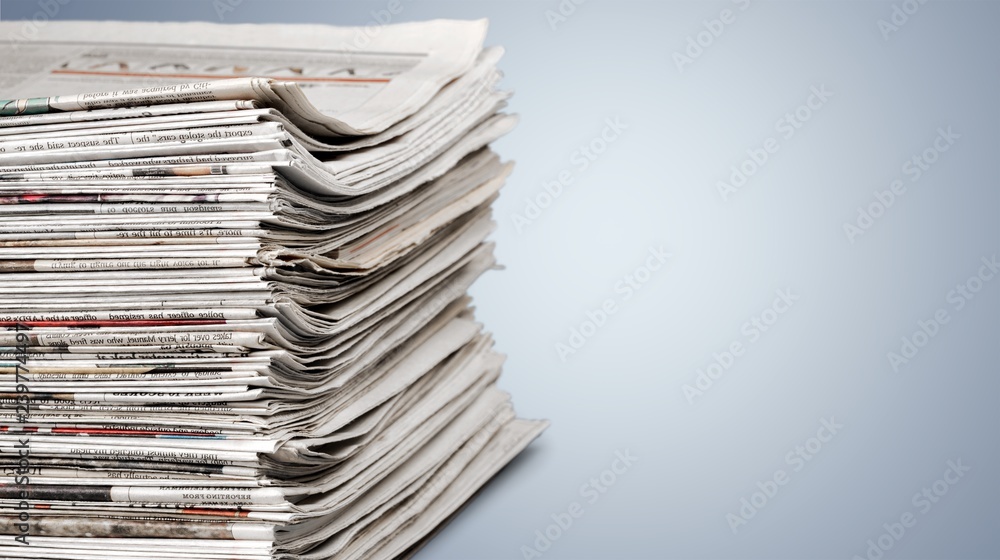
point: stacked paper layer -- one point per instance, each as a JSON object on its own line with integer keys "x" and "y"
{"x": 235, "y": 310}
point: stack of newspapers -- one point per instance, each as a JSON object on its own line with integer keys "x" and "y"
{"x": 233, "y": 273}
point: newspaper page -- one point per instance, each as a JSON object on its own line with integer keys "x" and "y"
{"x": 321, "y": 74}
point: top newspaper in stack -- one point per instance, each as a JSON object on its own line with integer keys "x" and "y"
{"x": 356, "y": 82}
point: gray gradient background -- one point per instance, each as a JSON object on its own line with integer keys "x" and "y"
{"x": 656, "y": 185}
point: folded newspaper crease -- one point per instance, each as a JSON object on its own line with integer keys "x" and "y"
{"x": 233, "y": 274}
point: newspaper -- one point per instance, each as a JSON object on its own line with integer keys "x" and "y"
{"x": 350, "y": 91}
{"x": 233, "y": 272}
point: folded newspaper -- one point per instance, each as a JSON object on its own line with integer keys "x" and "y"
{"x": 233, "y": 272}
